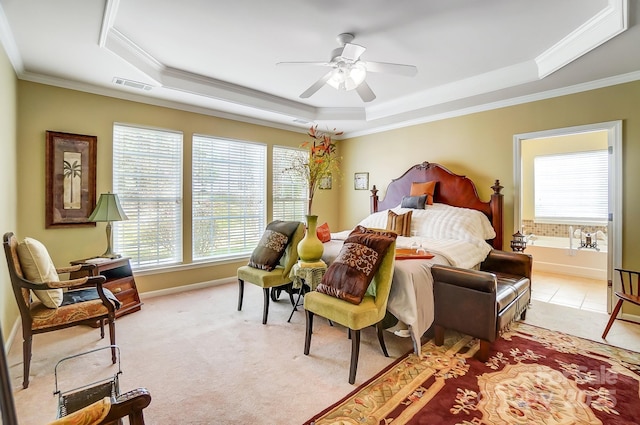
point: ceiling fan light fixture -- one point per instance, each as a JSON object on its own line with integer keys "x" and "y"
{"x": 347, "y": 76}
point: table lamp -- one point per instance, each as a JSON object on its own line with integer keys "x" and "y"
{"x": 108, "y": 209}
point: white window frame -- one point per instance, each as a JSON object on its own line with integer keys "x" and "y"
{"x": 228, "y": 197}
{"x": 290, "y": 193}
{"x": 147, "y": 177}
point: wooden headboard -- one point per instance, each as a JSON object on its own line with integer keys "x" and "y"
{"x": 451, "y": 189}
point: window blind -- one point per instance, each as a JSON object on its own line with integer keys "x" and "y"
{"x": 290, "y": 192}
{"x": 229, "y": 197}
{"x": 147, "y": 176}
{"x": 572, "y": 187}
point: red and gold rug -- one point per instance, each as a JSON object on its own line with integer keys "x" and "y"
{"x": 533, "y": 376}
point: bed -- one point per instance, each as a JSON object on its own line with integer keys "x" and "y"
{"x": 458, "y": 229}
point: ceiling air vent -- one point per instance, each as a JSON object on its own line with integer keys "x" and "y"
{"x": 132, "y": 84}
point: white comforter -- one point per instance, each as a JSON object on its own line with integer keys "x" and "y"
{"x": 456, "y": 236}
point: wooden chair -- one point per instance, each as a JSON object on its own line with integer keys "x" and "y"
{"x": 630, "y": 293}
{"x": 37, "y": 318}
{"x": 274, "y": 279}
{"x": 369, "y": 312}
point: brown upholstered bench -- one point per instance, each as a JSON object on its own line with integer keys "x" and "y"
{"x": 482, "y": 303}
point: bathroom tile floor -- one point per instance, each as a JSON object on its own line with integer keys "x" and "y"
{"x": 570, "y": 291}
{"x": 578, "y": 306}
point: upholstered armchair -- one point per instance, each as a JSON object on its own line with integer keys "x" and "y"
{"x": 47, "y": 303}
{"x": 347, "y": 311}
{"x": 268, "y": 268}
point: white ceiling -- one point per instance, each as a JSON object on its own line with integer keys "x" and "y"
{"x": 219, "y": 57}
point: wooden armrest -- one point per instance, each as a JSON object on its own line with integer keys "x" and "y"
{"x": 465, "y": 278}
{"x": 87, "y": 281}
{"x": 514, "y": 263}
{"x": 129, "y": 404}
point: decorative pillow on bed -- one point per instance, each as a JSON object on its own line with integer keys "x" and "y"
{"x": 415, "y": 202}
{"x": 424, "y": 188}
{"x": 323, "y": 232}
{"x": 272, "y": 245}
{"x": 350, "y": 274}
{"x": 399, "y": 223}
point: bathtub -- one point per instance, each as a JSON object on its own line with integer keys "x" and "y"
{"x": 552, "y": 254}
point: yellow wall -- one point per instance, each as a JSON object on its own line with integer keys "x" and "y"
{"x": 42, "y": 107}
{"x": 8, "y": 221}
{"x": 552, "y": 145}
{"x": 480, "y": 146}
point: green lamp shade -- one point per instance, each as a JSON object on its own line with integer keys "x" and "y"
{"x": 108, "y": 209}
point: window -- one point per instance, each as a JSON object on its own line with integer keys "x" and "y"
{"x": 147, "y": 176}
{"x": 289, "y": 193}
{"x": 572, "y": 187}
{"x": 229, "y": 197}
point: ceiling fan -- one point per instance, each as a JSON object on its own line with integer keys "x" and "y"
{"x": 348, "y": 72}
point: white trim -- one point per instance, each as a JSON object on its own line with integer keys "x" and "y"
{"x": 614, "y": 141}
{"x": 609, "y": 22}
{"x": 185, "y": 288}
{"x": 9, "y": 43}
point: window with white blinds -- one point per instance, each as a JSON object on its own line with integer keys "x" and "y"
{"x": 572, "y": 187}
{"x": 289, "y": 191}
{"x": 147, "y": 177}
{"x": 229, "y": 197}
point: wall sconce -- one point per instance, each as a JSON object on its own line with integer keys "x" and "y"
{"x": 108, "y": 209}
{"x": 519, "y": 242}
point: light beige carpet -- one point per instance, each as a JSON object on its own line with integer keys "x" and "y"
{"x": 206, "y": 363}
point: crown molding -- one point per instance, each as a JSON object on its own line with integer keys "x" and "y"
{"x": 9, "y": 43}
{"x": 609, "y": 22}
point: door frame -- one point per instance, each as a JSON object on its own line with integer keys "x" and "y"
{"x": 614, "y": 235}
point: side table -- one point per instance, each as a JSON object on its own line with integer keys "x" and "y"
{"x": 309, "y": 277}
{"x": 119, "y": 281}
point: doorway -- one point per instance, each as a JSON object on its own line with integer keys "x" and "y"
{"x": 586, "y": 245}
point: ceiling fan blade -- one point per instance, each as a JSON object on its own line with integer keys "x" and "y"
{"x": 391, "y": 68}
{"x": 352, "y": 51}
{"x": 304, "y": 63}
{"x": 317, "y": 85}
{"x": 365, "y": 92}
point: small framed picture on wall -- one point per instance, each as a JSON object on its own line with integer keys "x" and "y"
{"x": 325, "y": 182}
{"x": 361, "y": 181}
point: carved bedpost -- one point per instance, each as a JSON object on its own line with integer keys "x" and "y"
{"x": 497, "y": 202}
{"x": 374, "y": 199}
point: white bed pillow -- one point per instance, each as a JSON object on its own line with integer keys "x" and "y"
{"x": 440, "y": 221}
{"x": 38, "y": 267}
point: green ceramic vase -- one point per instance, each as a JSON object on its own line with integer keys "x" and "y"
{"x": 310, "y": 248}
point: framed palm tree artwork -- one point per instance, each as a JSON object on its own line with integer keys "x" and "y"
{"x": 70, "y": 179}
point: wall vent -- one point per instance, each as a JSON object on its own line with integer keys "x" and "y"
{"x": 132, "y": 84}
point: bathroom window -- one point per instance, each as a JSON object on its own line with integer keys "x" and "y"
{"x": 571, "y": 187}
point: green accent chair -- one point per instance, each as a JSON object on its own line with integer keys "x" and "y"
{"x": 271, "y": 280}
{"x": 369, "y": 312}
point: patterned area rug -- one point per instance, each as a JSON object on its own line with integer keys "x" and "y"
{"x": 533, "y": 376}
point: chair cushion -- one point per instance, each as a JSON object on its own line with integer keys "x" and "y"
{"x": 272, "y": 245}
{"x": 350, "y": 274}
{"x": 47, "y": 318}
{"x": 399, "y": 223}
{"x": 38, "y": 267}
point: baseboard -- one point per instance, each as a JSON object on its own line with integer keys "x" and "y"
{"x": 184, "y": 288}
{"x": 570, "y": 270}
